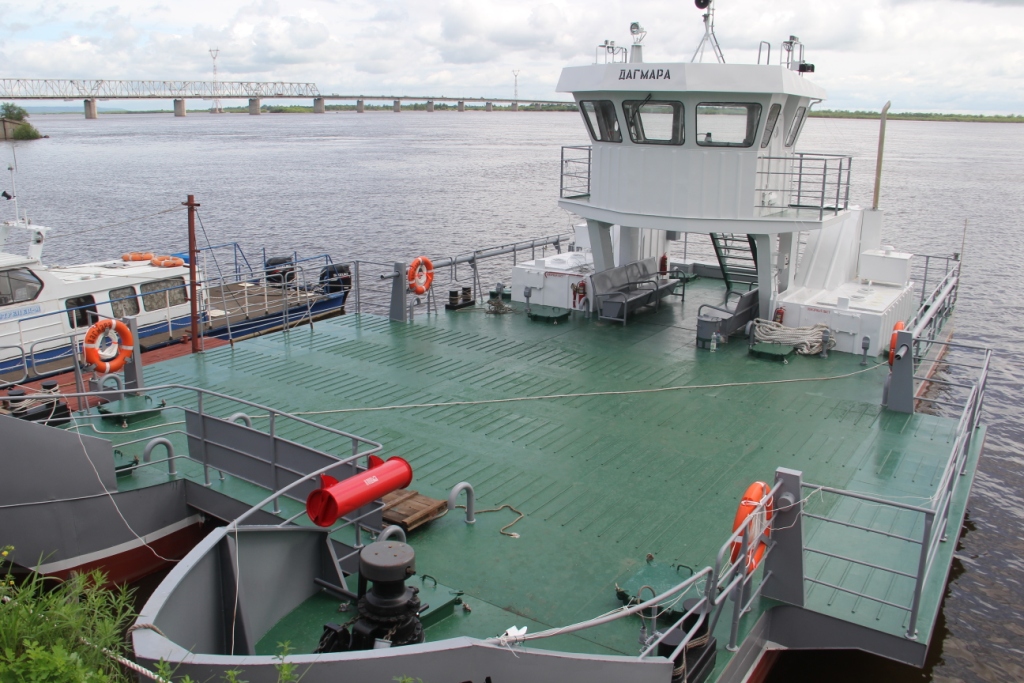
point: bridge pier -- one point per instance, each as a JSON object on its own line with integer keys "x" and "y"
{"x": 254, "y": 106}
{"x": 462, "y": 106}
{"x": 488, "y": 107}
{"x": 397, "y": 106}
{"x": 318, "y": 105}
{"x": 430, "y": 105}
{"x": 515, "y": 106}
{"x": 179, "y": 107}
{"x": 90, "y": 109}
{"x": 360, "y": 107}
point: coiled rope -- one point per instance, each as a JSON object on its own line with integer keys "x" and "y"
{"x": 806, "y": 340}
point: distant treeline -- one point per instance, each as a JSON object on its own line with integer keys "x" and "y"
{"x": 303, "y": 109}
{"x": 916, "y": 116}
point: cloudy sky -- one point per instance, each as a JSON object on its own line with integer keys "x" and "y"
{"x": 924, "y": 55}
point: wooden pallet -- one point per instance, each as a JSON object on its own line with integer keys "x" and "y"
{"x": 409, "y": 510}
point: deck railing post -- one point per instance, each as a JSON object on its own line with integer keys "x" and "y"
{"x": 79, "y": 381}
{"x": 784, "y": 565}
{"x": 922, "y": 571}
{"x": 800, "y": 181}
{"x": 821, "y": 197}
{"x": 273, "y": 458}
{"x": 738, "y": 591}
{"x": 924, "y": 285}
{"x": 901, "y": 378}
{"x": 202, "y": 441}
{"x": 397, "y": 311}
{"x": 355, "y": 279}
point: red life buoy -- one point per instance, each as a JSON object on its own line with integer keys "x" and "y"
{"x": 892, "y": 342}
{"x": 124, "y": 346}
{"x": 750, "y": 502}
{"x": 421, "y": 275}
{"x": 167, "y": 261}
{"x": 137, "y": 256}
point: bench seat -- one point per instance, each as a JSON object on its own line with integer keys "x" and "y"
{"x": 624, "y": 289}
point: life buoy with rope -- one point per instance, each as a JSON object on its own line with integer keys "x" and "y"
{"x": 167, "y": 261}
{"x": 137, "y": 256}
{"x": 113, "y": 357}
{"x": 761, "y": 524}
{"x": 892, "y": 342}
{"x": 421, "y": 275}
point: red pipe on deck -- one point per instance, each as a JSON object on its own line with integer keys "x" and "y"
{"x": 337, "y": 498}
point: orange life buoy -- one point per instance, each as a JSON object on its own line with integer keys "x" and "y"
{"x": 421, "y": 275}
{"x": 123, "y": 347}
{"x": 892, "y": 342}
{"x": 752, "y": 498}
{"x": 167, "y": 261}
{"x": 137, "y": 256}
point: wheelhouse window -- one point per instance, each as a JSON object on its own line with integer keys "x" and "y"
{"x": 163, "y": 293}
{"x": 727, "y": 124}
{"x": 652, "y": 122}
{"x": 794, "y": 128}
{"x": 123, "y": 302}
{"x": 769, "y": 126}
{"x": 82, "y": 310}
{"x": 18, "y": 285}
{"x": 601, "y": 121}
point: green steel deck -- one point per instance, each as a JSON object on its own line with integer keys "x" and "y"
{"x": 602, "y": 480}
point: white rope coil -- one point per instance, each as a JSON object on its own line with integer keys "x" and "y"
{"x": 806, "y": 340}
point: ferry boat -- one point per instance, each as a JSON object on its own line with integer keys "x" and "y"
{"x": 624, "y": 467}
{"x": 45, "y": 310}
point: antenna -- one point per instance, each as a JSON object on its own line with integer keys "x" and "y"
{"x": 216, "y": 109}
{"x": 515, "y": 74}
{"x": 709, "y": 32}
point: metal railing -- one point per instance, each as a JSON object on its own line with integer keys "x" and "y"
{"x": 931, "y": 516}
{"x": 373, "y": 281}
{"x": 575, "y": 179}
{"x": 820, "y": 182}
{"x": 732, "y": 578}
{"x": 931, "y": 271}
{"x": 281, "y": 428}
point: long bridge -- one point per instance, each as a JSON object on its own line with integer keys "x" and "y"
{"x": 92, "y": 91}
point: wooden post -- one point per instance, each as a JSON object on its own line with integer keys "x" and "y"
{"x": 193, "y": 256}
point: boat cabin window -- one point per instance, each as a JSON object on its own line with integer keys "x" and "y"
{"x": 18, "y": 285}
{"x": 163, "y": 293}
{"x": 794, "y": 128}
{"x": 651, "y": 122}
{"x": 727, "y": 124}
{"x": 601, "y": 121}
{"x": 123, "y": 302}
{"x": 82, "y": 310}
{"x": 769, "y": 127}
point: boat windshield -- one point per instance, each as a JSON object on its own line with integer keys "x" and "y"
{"x": 18, "y": 285}
{"x": 601, "y": 121}
{"x": 651, "y": 122}
{"x": 769, "y": 127}
{"x": 727, "y": 124}
{"x": 794, "y": 128}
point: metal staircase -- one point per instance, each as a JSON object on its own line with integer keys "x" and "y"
{"x": 737, "y": 255}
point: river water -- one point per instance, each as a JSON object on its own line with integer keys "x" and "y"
{"x": 380, "y": 185}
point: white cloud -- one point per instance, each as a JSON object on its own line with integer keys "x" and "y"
{"x": 963, "y": 55}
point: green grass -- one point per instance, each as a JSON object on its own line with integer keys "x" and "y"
{"x": 58, "y": 631}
